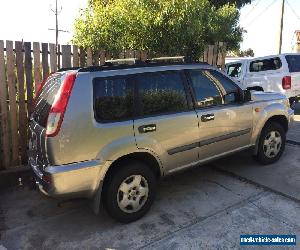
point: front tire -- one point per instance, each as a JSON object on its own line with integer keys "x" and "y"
{"x": 271, "y": 143}
{"x": 129, "y": 192}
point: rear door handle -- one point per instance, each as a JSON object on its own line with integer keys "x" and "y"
{"x": 207, "y": 117}
{"x": 147, "y": 128}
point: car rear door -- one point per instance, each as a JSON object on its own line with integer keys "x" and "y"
{"x": 166, "y": 124}
{"x": 37, "y": 151}
{"x": 224, "y": 123}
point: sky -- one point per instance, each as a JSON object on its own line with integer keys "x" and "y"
{"x": 261, "y": 19}
{"x": 30, "y": 20}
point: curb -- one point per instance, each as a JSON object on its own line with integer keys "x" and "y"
{"x": 10, "y": 177}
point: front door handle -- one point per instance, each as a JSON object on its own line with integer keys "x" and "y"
{"x": 147, "y": 128}
{"x": 207, "y": 117}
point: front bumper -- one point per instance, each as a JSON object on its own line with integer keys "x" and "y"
{"x": 72, "y": 180}
{"x": 290, "y": 117}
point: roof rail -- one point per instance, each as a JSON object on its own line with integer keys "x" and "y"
{"x": 69, "y": 68}
{"x": 167, "y": 59}
{"x": 128, "y": 61}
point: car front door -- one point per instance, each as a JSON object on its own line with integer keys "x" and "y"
{"x": 166, "y": 123}
{"x": 225, "y": 124}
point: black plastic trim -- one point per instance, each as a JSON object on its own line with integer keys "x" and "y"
{"x": 208, "y": 141}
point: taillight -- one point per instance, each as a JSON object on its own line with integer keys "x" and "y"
{"x": 286, "y": 82}
{"x": 59, "y": 105}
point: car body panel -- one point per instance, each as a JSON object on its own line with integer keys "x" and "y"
{"x": 79, "y": 156}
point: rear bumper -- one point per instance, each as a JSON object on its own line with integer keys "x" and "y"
{"x": 74, "y": 180}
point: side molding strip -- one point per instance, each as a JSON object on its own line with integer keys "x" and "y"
{"x": 208, "y": 141}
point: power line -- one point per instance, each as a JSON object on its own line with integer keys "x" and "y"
{"x": 292, "y": 9}
{"x": 259, "y": 15}
{"x": 252, "y": 9}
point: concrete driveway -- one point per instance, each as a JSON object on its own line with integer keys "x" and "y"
{"x": 205, "y": 207}
{"x": 201, "y": 208}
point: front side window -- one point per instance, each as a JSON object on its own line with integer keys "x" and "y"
{"x": 265, "y": 64}
{"x": 234, "y": 70}
{"x": 161, "y": 92}
{"x": 229, "y": 88}
{"x": 113, "y": 99}
{"x": 205, "y": 88}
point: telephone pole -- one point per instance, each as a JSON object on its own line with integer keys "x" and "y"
{"x": 281, "y": 25}
{"x": 57, "y": 30}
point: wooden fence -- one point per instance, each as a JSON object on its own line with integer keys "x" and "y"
{"x": 23, "y": 65}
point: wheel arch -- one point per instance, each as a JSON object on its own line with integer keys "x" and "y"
{"x": 280, "y": 119}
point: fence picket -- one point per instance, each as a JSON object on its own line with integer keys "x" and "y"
{"x": 16, "y": 97}
{"x": 107, "y": 56}
{"x": 53, "y": 57}
{"x": 45, "y": 64}
{"x": 36, "y": 64}
{"x": 66, "y": 56}
{"x": 12, "y": 102}
{"x": 28, "y": 76}
{"x": 210, "y": 54}
{"x": 96, "y": 58}
{"x": 22, "y": 107}
{"x": 4, "y": 142}
{"x": 89, "y": 57}
{"x": 75, "y": 56}
{"x": 81, "y": 57}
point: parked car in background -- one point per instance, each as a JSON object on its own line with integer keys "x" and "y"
{"x": 277, "y": 73}
{"x": 110, "y": 132}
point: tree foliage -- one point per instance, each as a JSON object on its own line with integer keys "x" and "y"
{"x": 160, "y": 26}
{"x": 243, "y": 53}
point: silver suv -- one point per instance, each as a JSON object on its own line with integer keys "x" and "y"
{"x": 110, "y": 132}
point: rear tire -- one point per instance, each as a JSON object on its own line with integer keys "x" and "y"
{"x": 129, "y": 192}
{"x": 271, "y": 143}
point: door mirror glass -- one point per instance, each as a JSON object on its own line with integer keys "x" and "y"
{"x": 231, "y": 97}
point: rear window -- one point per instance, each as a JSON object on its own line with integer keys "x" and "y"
{"x": 265, "y": 64}
{"x": 46, "y": 98}
{"x": 161, "y": 92}
{"x": 293, "y": 62}
{"x": 113, "y": 99}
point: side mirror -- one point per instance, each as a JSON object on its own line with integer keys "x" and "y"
{"x": 247, "y": 95}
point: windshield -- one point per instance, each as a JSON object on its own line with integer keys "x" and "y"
{"x": 293, "y": 62}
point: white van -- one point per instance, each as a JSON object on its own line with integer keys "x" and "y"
{"x": 277, "y": 73}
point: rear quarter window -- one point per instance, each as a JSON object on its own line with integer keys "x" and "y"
{"x": 265, "y": 64}
{"x": 293, "y": 62}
